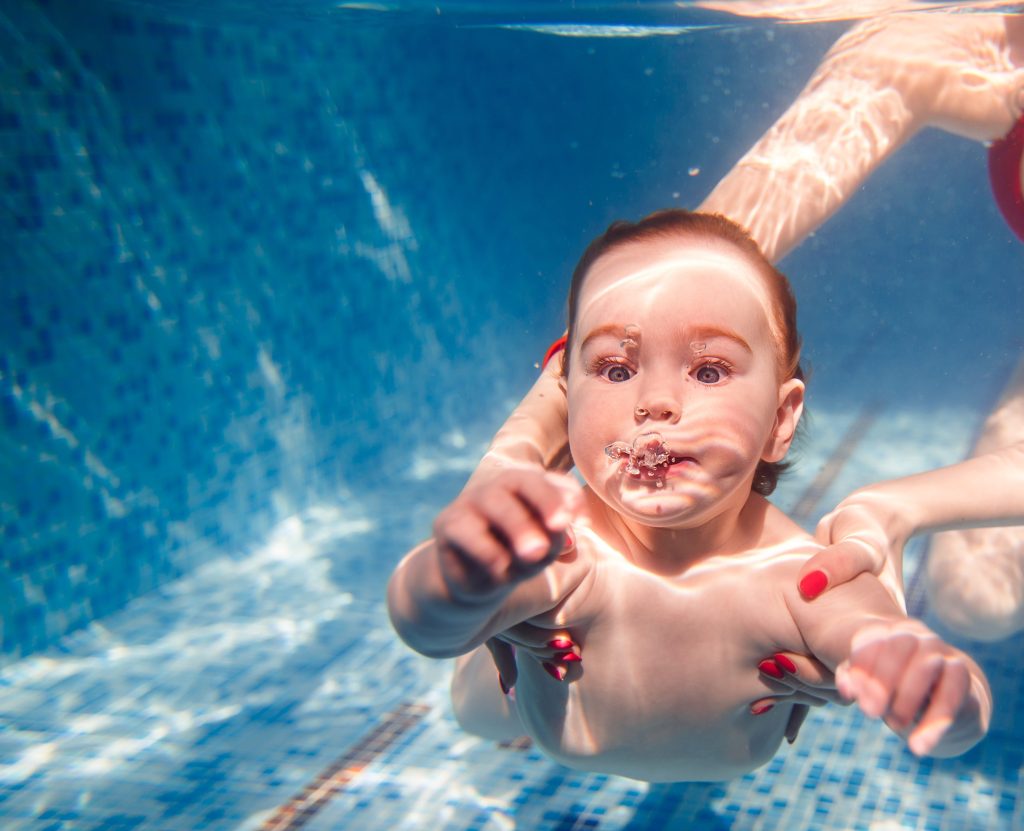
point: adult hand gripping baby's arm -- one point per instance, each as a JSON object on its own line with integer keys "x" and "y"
{"x": 865, "y": 533}
{"x": 797, "y": 679}
{"x": 868, "y": 530}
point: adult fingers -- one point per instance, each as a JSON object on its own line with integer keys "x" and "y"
{"x": 504, "y": 657}
{"x": 538, "y": 641}
{"x": 796, "y": 720}
{"x": 801, "y": 674}
{"x": 837, "y": 564}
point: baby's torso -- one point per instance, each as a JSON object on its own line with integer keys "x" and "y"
{"x": 669, "y": 667}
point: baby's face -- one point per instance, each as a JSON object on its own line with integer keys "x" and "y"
{"x": 672, "y": 337}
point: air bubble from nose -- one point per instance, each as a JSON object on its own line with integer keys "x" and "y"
{"x": 631, "y": 340}
{"x": 648, "y": 456}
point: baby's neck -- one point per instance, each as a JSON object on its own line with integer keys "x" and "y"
{"x": 668, "y": 551}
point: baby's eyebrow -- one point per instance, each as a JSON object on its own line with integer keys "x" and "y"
{"x": 704, "y": 333}
{"x": 617, "y": 330}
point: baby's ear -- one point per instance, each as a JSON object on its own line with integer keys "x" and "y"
{"x": 787, "y": 416}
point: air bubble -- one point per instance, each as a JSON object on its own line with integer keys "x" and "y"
{"x": 648, "y": 454}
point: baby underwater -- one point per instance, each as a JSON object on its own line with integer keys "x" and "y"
{"x": 684, "y": 393}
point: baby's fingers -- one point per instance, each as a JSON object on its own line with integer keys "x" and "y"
{"x": 532, "y": 512}
{"x": 517, "y": 523}
{"x": 474, "y": 560}
{"x": 880, "y": 668}
{"x": 947, "y": 698}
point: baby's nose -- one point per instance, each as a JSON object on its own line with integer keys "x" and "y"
{"x": 658, "y": 408}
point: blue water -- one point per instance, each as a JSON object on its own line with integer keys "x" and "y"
{"x": 272, "y": 275}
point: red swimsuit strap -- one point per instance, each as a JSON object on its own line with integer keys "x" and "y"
{"x": 1005, "y": 158}
{"x": 553, "y": 350}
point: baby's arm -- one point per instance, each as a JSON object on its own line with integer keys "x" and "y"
{"x": 868, "y": 529}
{"x": 488, "y": 565}
{"x": 895, "y": 668}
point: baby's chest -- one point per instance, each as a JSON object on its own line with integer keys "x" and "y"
{"x": 718, "y": 624}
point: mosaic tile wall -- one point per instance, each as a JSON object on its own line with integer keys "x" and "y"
{"x": 249, "y": 260}
{"x": 252, "y": 260}
{"x": 206, "y": 291}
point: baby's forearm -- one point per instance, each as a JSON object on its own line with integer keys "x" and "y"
{"x": 426, "y": 615}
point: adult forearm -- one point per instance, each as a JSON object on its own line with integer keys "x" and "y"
{"x": 845, "y": 123}
{"x": 534, "y": 435}
{"x": 984, "y": 490}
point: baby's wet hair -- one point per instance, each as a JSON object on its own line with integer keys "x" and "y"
{"x": 680, "y": 223}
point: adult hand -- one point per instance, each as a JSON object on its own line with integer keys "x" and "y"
{"x": 554, "y": 649}
{"x": 865, "y": 533}
{"x": 800, "y": 680}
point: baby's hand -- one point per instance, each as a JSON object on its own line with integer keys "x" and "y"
{"x": 504, "y": 531}
{"x": 904, "y": 673}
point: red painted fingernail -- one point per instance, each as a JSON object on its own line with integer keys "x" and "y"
{"x": 568, "y": 657}
{"x": 555, "y": 672}
{"x": 813, "y": 584}
{"x": 570, "y": 539}
{"x": 785, "y": 663}
{"x": 769, "y": 667}
{"x": 560, "y": 643}
{"x": 761, "y": 709}
{"x": 501, "y": 683}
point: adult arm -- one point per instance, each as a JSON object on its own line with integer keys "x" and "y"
{"x": 868, "y": 529}
{"x": 877, "y": 86}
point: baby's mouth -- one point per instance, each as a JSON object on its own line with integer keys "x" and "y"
{"x": 648, "y": 458}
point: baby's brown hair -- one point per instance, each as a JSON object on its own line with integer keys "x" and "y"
{"x": 678, "y": 223}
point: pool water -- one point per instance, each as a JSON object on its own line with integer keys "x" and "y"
{"x": 274, "y": 273}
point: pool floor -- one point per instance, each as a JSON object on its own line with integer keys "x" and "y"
{"x": 259, "y": 693}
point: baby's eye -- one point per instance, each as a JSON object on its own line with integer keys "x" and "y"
{"x": 711, "y": 374}
{"x": 617, "y": 373}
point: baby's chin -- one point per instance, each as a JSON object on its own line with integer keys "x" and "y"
{"x": 666, "y": 506}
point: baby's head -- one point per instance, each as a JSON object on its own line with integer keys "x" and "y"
{"x": 681, "y": 329}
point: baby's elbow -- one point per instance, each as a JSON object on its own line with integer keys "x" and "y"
{"x": 416, "y": 630}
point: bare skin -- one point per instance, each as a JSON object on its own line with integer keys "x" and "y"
{"x": 882, "y": 82}
{"x": 657, "y": 588}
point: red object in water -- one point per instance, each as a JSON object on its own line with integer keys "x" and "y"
{"x": 1005, "y": 161}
